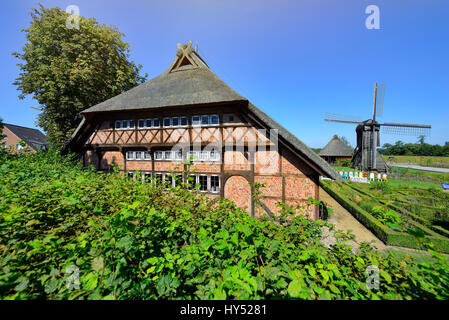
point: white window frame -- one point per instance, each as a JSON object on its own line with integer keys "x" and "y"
{"x": 194, "y": 154}
{"x": 163, "y": 122}
{"x": 152, "y": 123}
{"x": 207, "y": 182}
{"x": 204, "y": 155}
{"x": 176, "y": 154}
{"x": 119, "y": 122}
{"x": 210, "y": 183}
{"x": 217, "y": 157}
{"x": 168, "y": 152}
{"x": 130, "y": 155}
{"x": 172, "y": 122}
{"x": 140, "y": 157}
{"x": 158, "y": 155}
{"x": 210, "y": 120}
{"x": 143, "y": 176}
{"x": 197, "y": 124}
{"x": 183, "y": 125}
{"x": 146, "y": 155}
{"x": 144, "y": 124}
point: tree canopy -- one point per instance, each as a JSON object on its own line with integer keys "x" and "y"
{"x": 415, "y": 149}
{"x": 70, "y": 69}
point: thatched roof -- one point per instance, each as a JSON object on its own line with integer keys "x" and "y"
{"x": 336, "y": 148}
{"x": 189, "y": 81}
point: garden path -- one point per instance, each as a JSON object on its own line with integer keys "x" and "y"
{"x": 344, "y": 220}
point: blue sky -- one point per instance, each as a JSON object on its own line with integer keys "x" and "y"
{"x": 295, "y": 60}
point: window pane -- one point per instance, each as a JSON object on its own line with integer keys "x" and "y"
{"x": 196, "y": 120}
{"x": 131, "y": 124}
{"x": 178, "y": 155}
{"x": 191, "y": 181}
{"x": 147, "y": 155}
{"x": 214, "y": 155}
{"x": 167, "y": 155}
{"x": 204, "y": 155}
{"x": 158, "y": 179}
{"x": 175, "y": 121}
{"x": 178, "y": 180}
{"x": 214, "y": 119}
{"x": 139, "y": 155}
{"x": 130, "y": 174}
{"x": 118, "y": 124}
{"x": 141, "y": 123}
{"x": 158, "y": 155}
{"x": 215, "y": 184}
{"x": 148, "y": 123}
{"x": 193, "y": 155}
{"x": 146, "y": 177}
{"x": 125, "y": 124}
{"x": 183, "y": 121}
{"x": 166, "y": 122}
{"x": 203, "y": 183}
{"x": 204, "y": 120}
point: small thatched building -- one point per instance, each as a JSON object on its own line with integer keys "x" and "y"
{"x": 336, "y": 150}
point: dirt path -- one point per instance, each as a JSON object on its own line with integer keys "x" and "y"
{"x": 418, "y": 167}
{"x": 344, "y": 221}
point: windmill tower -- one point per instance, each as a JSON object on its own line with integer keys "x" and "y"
{"x": 366, "y": 157}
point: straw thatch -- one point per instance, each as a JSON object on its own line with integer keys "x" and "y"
{"x": 336, "y": 148}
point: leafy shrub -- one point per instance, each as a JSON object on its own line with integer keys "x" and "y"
{"x": 69, "y": 233}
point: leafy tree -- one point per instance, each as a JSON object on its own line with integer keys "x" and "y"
{"x": 70, "y": 69}
{"x": 345, "y": 141}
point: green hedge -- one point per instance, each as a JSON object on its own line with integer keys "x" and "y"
{"x": 383, "y": 232}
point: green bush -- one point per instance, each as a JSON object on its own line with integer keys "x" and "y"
{"x": 69, "y": 233}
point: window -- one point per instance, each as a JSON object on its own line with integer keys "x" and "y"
{"x": 138, "y": 155}
{"x": 184, "y": 122}
{"x": 168, "y": 155}
{"x": 215, "y": 184}
{"x": 175, "y": 121}
{"x": 196, "y": 121}
{"x": 156, "y": 123}
{"x": 178, "y": 180}
{"x": 130, "y": 155}
{"x": 146, "y": 177}
{"x": 131, "y": 174}
{"x": 177, "y": 155}
{"x": 204, "y": 120}
{"x": 214, "y": 119}
{"x": 214, "y": 155}
{"x": 202, "y": 180}
{"x": 141, "y": 124}
{"x": 193, "y": 155}
{"x": 191, "y": 181}
{"x": 166, "y": 122}
{"x": 204, "y": 155}
{"x": 148, "y": 123}
{"x": 158, "y": 179}
{"x": 131, "y": 124}
{"x": 118, "y": 124}
{"x": 158, "y": 155}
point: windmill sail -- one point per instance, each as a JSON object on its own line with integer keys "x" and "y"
{"x": 406, "y": 129}
{"x": 333, "y": 117}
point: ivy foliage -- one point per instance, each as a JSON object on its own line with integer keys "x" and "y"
{"x": 70, "y": 233}
{"x": 69, "y": 67}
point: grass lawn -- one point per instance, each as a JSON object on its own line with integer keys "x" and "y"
{"x": 420, "y": 160}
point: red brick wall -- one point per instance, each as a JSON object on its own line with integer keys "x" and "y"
{"x": 111, "y": 158}
{"x": 238, "y": 190}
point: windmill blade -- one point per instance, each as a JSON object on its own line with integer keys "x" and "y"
{"x": 332, "y": 117}
{"x": 406, "y": 129}
{"x": 380, "y": 100}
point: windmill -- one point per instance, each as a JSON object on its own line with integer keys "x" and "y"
{"x": 366, "y": 157}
